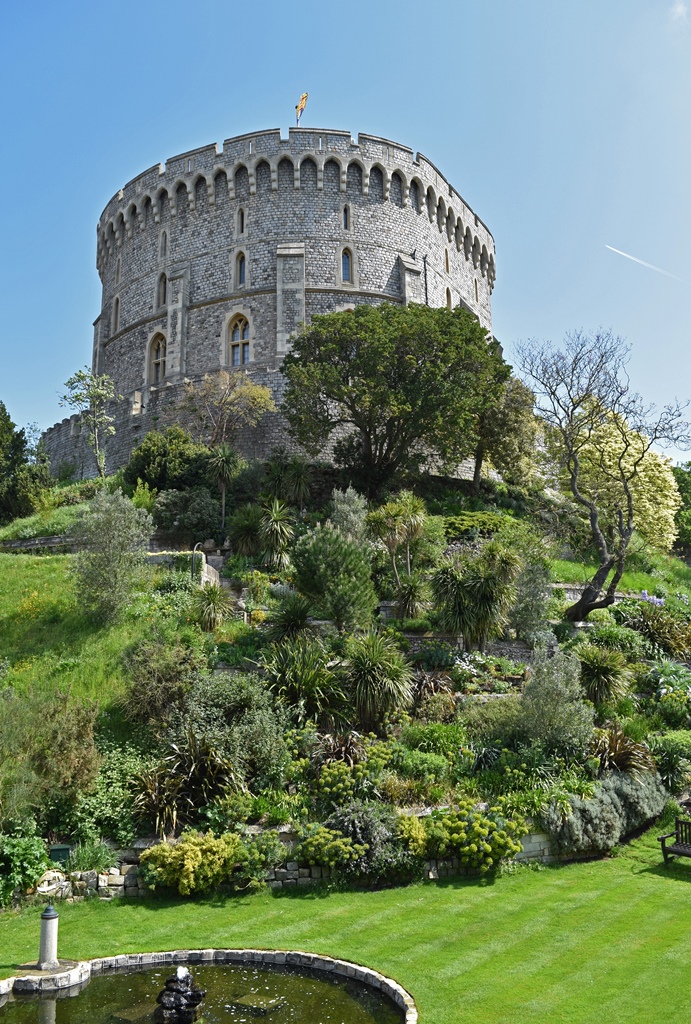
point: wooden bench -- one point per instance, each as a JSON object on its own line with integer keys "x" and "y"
{"x": 681, "y": 847}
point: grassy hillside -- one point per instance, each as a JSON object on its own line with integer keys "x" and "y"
{"x": 48, "y": 641}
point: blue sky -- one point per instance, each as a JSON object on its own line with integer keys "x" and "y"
{"x": 564, "y": 123}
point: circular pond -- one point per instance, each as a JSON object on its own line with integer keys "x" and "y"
{"x": 235, "y": 993}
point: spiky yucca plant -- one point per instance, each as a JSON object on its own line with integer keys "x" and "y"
{"x": 301, "y": 673}
{"x": 618, "y": 752}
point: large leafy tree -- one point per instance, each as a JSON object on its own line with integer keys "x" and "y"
{"x": 601, "y": 437}
{"x": 507, "y": 434}
{"x": 391, "y": 387}
{"x": 24, "y": 472}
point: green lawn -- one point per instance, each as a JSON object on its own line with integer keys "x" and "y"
{"x": 49, "y": 643}
{"x": 670, "y": 571}
{"x": 581, "y": 943}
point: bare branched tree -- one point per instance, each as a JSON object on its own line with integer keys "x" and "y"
{"x": 599, "y": 432}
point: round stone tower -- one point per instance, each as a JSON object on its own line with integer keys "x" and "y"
{"x": 214, "y": 259}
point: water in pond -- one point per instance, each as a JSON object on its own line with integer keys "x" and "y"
{"x": 236, "y": 994}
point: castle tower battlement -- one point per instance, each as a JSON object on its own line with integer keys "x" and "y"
{"x": 215, "y": 258}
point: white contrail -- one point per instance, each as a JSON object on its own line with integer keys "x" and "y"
{"x": 650, "y": 266}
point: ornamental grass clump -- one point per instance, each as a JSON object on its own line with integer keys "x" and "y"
{"x": 604, "y": 673}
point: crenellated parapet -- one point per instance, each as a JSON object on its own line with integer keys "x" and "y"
{"x": 213, "y": 171}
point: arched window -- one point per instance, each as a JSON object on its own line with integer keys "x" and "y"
{"x": 446, "y": 260}
{"x": 346, "y": 217}
{"x": 164, "y": 245}
{"x": 162, "y": 294}
{"x": 241, "y": 268}
{"x": 157, "y": 361}
{"x": 116, "y": 314}
{"x": 347, "y": 266}
{"x": 239, "y": 341}
{"x": 448, "y": 298}
{"x": 241, "y": 221}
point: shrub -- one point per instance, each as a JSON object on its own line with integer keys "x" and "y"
{"x": 196, "y": 863}
{"x": 23, "y": 859}
{"x": 414, "y": 596}
{"x": 434, "y": 738}
{"x": 412, "y": 834}
{"x": 300, "y": 674}
{"x": 378, "y": 677}
{"x": 437, "y": 707}
{"x": 334, "y": 574}
{"x": 144, "y": 496}
{"x": 161, "y": 668}
{"x": 604, "y": 674}
{"x": 374, "y": 828}
{"x": 663, "y": 627}
{"x": 673, "y": 766}
{"x": 552, "y": 709}
{"x": 168, "y": 461}
{"x": 620, "y": 805}
{"x": 416, "y": 764}
{"x": 111, "y": 538}
{"x": 191, "y": 515}
{"x": 672, "y": 684}
{"x": 622, "y": 638}
{"x": 349, "y": 513}
{"x": 327, "y": 847}
{"x": 480, "y": 839}
{"x": 238, "y": 716}
{"x": 496, "y": 722}
{"x": 436, "y": 656}
{"x": 106, "y": 810}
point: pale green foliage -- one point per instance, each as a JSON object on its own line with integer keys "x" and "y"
{"x": 654, "y": 490}
{"x": 144, "y": 496}
{"x": 349, "y": 513}
{"x": 23, "y": 859}
{"x": 480, "y": 840}
{"x": 111, "y": 539}
{"x": 197, "y": 863}
{"x": 90, "y": 394}
{"x": 327, "y": 847}
{"x": 553, "y": 710}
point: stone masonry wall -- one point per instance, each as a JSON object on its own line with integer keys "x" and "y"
{"x": 168, "y": 253}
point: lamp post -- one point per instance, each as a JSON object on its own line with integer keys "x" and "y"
{"x": 194, "y": 553}
{"x": 48, "y": 950}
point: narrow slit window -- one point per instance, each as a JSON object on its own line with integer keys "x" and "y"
{"x": 241, "y": 222}
{"x": 158, "y": 359}
{"x": 346, "y": 218}
{"x": 446, "y": 260}
{"x": 449, "y": 302}
{"x": 116, "y": 315}
{"x": 346, "y": 266}
{"x": 164, "y": 245}
{"x": 162, "y": 290}
{"x": 477, "y": 292}
{"x": 241, "y": 268}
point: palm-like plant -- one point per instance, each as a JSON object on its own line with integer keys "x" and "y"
{"x": 276, "y": 531}
{"x": 379, "y": 677}
{"x": 604, "y": 673}
{"x": 290, "y": 619}
{"x": 412, "y": 517}
{"x": 244, "y": 528}
{"x": 301, "y": 674}
{"x": 413, "y": 596}
{"x": 386, "y": 524}
{"x": 223, "y": 463}
{"x": 212, "y": 605}
{"x": 474, "y": 593}
{"x": 297, "y": 481}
